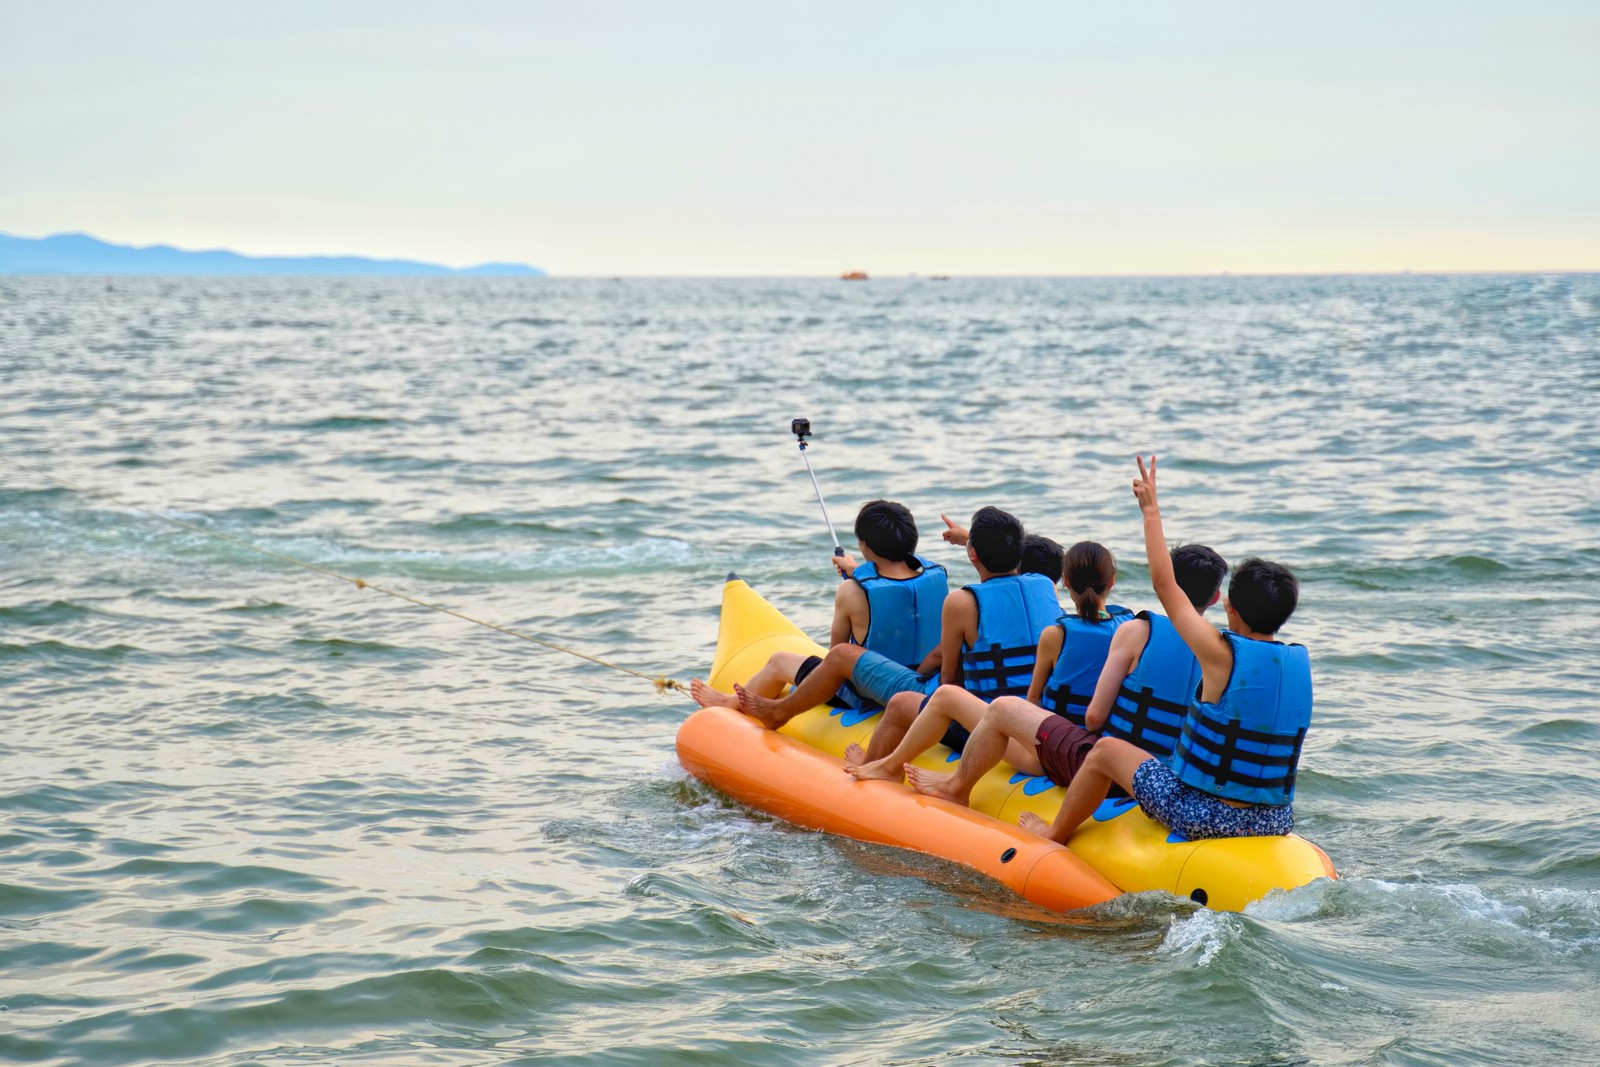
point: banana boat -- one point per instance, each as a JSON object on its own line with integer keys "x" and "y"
{"x": 797, "y": 774}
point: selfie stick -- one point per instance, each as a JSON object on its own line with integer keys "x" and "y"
{"x": 801, "y": 428}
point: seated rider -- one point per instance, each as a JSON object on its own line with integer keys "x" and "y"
{"x": 1040, "y": 555}
{"x": 889, "y": 604}
{"x": 1149, "y": 676}
{"x": 995, "y": 549}
{"x": 1233, "y": 769}
{"x": 1068, "y": 659}
{"x": 1001, "y": 618}
{"x": 1070, "y": 654}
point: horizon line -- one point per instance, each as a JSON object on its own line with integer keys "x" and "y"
{"x": 716, "y": 276}
{"x": 546, "y": 276}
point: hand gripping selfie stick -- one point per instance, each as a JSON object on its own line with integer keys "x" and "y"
{"x": 801, "y": 428}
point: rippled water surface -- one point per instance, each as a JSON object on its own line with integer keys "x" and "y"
{"x": 250, "y": 814}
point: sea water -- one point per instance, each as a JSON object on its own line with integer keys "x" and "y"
{"x": 254, "y": 815}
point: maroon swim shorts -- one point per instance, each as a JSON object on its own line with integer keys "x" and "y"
{"x": 1063, "y": 746}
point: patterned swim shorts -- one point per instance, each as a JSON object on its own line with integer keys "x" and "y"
{"x": 1194, "y": 814}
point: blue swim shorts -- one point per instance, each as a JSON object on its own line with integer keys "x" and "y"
{"x": 877, "y": 678}
{"x": 1194, "y": 814}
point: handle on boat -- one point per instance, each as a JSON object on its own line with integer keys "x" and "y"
{"x": 801, "y": 428}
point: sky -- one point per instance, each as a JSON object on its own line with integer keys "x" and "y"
{"x": 704, "y": 137}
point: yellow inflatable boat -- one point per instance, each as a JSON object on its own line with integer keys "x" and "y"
{"x": 796, "y": 773}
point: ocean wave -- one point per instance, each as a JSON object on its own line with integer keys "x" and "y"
{"x": 122, "y": 533}
{"x": 534, "y": 321}
{"x": 484, "y": 565}
{"x": 170, "y": 877}
{"x": 1197, "y": 938}
{"x": 1554, "y": 919}
{"x": 20, "y": 900}
{"x": 49, "y": 613}
{"x": 290, "y": 324}
{"x": 478, "y": 524}
{"x": 65, "y": 653}
{"x": 343, "y": 422}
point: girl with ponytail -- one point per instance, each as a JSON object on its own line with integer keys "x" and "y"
{"x": 1072, "y": 652}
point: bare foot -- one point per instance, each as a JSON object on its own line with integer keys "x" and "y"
{"x": 1034, "y": 825}
{"x": 708, "y": 697}
{"x": 881, "y": 770}
{"x": 934, "y": 784}
{"x": 760, "y": 708}
{"x": 854, "y": 755}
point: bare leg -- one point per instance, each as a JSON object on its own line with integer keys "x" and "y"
{"x": 897, "y": 717}
{"x": 1004, "y": 722}
{"x": 819, "y": 685}
{"x": 779, "y": 672}
{"x": 769, "y": 681}
{"x": 1110, "y": 760}
{"x": 1019, "y": 721}
{"x": 950, "y": 703}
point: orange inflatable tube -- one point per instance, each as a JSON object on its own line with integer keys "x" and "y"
{"x": 794, "y": 781}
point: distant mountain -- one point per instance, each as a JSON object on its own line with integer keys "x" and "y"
{"x": 78, "y": 253}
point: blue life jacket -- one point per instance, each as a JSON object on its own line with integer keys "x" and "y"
{"x": 1013, "y": 610}
{"x": 1246, "y": 746}
{"x": 1156, "y": 694}
{"x": 1084, "y": 646}
{"x": 903, "y": 614}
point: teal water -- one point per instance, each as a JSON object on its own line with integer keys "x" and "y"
{"x": 249, "y": 815}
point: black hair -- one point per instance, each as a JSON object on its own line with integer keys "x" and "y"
{"x": 1199, "y": 571}
{"x": 996, "y": 539}
{"x": 1040, "y": 555}
{"x": 1264, "y": 594}
{"x": 1090, "y": 570}
{"x": 888, "y": 529}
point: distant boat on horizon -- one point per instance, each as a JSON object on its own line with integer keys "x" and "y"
{"x": 853, "y": 276}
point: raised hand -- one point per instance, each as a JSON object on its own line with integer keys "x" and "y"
{"x": 844, "y": 564}
{"x": 956, "y": 535}
{"x": 1144, "y": 486}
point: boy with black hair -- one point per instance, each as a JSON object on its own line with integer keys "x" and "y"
{"x": 889, "y": 604}
{"x": 1040, "y": 555}
{"x": 1232, "y": 771}
{"x": 1142, "y": 693}
{"x": 978, "y": 647}
{"x": 994, "y": 628}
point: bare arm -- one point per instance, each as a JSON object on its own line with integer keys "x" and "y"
{"x": 958, "y": 619}
{"x": 850, "y": 614}
{"x": 953, "y": 533}
{"x": 1044, "y": 662}
{"x": 1203, "y": 639}
{"x": 1126, "y": 645}
{"x": 931, "y": 661}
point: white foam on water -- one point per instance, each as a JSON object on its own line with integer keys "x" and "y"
{"x": 1198, "y": 937}
{"x": 1292, "y": 905}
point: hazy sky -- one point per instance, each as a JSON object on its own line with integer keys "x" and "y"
{"x": 782, "y": 138}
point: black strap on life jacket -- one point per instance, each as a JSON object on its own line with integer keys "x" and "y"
{"x": 1222, "y": 770}
{"x": 1064, "y": 698}
{"x": 989, "y": 664}
{"x": 1140, "y": 722}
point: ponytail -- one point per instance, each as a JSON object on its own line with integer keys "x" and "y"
{"x": 1090, "y": 569}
